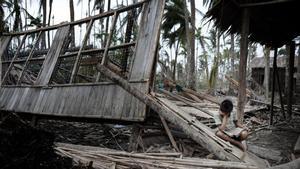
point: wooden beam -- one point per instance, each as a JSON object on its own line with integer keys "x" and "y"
{"x": 78, "y": 57}
{"x": 237, "y": 85}
{"x": 273, "y": 85}
{"x": 291, "y": 81}
{"x": 105, "y": 54}
{"x": 13, "y": 59}
{"x": 186, "y": 102}
{"x": 71, "y": 54}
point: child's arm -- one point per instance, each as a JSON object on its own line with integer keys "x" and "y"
{"x": 223, "y": 124}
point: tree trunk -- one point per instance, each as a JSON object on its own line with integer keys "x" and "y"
{"x": 205, "y": 57}
{"x": 49, "y": 19}
{"x": 43, "y": 40}
{"x": 190, "y": 58}
{"x": 192, "y": 84}
{"x": 106, "y": 25}
{"x": 71, "y": 6}
{"x": 267, "y": 71}
{"x": 232, "y": 58}
{"x": 175, "y": 61}
{"x": 243, "y": 65}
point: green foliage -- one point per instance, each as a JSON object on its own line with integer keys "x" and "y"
{"x": 213, "y": 76}
{"x": 173, "y": 25}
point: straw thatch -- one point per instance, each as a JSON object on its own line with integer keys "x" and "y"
{"x": 272, "y": 22}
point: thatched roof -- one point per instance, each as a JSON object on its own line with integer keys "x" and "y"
{"x": 259, "y": 62}
{"x": 272, "y": 22}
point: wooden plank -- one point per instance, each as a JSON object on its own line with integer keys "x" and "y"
{"x": 81, "y": 21}
{"x": 147, "y": 42}
{"x": 188, "y": 103}
{"x": 3, "y": 45}
{"x": 126, "y": 109}
{"x": 14, "y": 98}
{"x": 110, "y": 94}
{"x": 195, "y": 112}
{"x": 77, "y": 101}
{"x": 119, "y": 103}
{"x": 39, "y": 100}
{"x": 52, "y": 56}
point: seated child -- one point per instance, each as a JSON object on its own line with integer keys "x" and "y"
{"x": 228, "y": 127}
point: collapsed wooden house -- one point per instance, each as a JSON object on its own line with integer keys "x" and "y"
{"x": 111, "y": 81}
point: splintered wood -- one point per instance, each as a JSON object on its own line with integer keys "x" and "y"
{"x": 107, "y": 158}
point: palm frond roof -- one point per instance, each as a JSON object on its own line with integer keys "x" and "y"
{"x": 272, "y": 22}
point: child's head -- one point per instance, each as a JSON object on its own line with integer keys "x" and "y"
{"x": 226, "y": 107}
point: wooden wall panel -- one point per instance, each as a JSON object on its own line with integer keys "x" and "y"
{"x": 107, "y": 101}
{"x": 98, "y": 101}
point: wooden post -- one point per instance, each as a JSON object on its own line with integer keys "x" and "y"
{"x": 267, "y": 71}
{"x": 291, "y": 81}
{"x": 279, "y": 90}
{"x": 243, "y": 65}
{"x": 273, "y": 85}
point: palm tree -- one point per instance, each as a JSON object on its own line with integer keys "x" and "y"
{"x": 192, "y": 70}
{"x": 174, "y": 27}
{"x": 204, "y": 55}
{"x": 49, "y": 19}
{"x": 190, "y": 46}
{"x": 43, "y": 5}
{"x": 214, "y": 40}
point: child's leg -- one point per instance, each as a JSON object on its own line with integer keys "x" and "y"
{"x": 231, "y": 140}
{"x": 243, "y": 135}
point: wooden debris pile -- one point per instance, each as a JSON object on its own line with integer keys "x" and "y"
{"x": 25, "y": 147}
{"x": 108, "y": 158}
